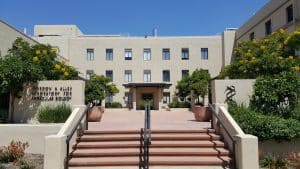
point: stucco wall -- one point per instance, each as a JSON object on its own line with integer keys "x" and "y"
{"x": 26, "y": 106}
{"x": 243, "y": 90}
{"x": 8, "y": 35}
{"x": 33, "y": 134}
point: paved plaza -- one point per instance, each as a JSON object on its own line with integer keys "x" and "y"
{"x": 123, "y": 119}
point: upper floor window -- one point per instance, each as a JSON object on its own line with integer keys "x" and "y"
{"x": 166, "y": 75}
{"x": 204, "y": 53}
{"x": 89, "y": 74}
{"x": 90, "y": 54}
{"x": 147, "y": 54}
{"x": 147, "y": 75}
{"x": 166, "y": 54}
{"x": 109, "y": 74}
{"x": 268, "y": 27}
{"x": 109, "y": 54}
{"x": 128, "y": 76}
{"x": 128, "y": 54}
{"x": 289, "y": 14}
{"x": 185, "y": 54}
{"x": 184, "y": 73}
{"x": 251, "y": 36}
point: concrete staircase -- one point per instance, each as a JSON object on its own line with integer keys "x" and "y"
{"x": 192, "y": 148}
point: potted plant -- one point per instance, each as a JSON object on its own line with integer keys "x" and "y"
{"x": 96, "y": 89}
{"x": 199, "y": 82}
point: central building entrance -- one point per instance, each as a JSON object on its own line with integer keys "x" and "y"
{"x": 146, "y": 93}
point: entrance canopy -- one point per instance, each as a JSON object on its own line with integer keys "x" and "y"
{"x": 135, "y": 85}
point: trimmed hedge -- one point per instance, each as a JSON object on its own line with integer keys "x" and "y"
{"x": 54, "y": 114}
{"x": 179, "y": 105}
{"x": 113, "y": 105}
{"x": 263, "y": 126}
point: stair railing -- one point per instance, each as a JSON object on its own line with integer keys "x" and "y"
{"x": 146, "y": 138}
{"x": 69, "y": 137}
{"x": 220, "y": 123}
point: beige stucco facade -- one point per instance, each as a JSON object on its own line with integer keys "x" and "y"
{"x": 274, "y": 10}
{"x": 8, "y": 35}
{"x": 73, "y": 45}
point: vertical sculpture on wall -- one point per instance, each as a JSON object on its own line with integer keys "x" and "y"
{"x": 230, "y": 93}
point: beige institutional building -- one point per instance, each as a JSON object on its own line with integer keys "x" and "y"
{"x": 141, "y": 67}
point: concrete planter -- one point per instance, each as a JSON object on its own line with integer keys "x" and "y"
{"x": 95, "y": 113}
{"x": 202, "y": 113}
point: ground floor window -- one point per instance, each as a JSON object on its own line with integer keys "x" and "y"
{"x": 128, "y": 99}
{"x": 166, "y": 97}
{"x": 109, "y": 99}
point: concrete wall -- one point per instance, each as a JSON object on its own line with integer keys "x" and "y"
{"x": 8, "y": 35}
{"x": 33, "y": 134}
{"x": 28, "y": 104}
{"x": 243, "y": 90}
{"x": 75, "y": 49}
{"x": 282, "y": 148}
{"x": 274, "y": 10}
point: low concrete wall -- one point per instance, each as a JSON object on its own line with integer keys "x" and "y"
{"x": 33, "y": 134}
{"x": 283, "y": 148}
{"x": 242, "y": 90}
{"x": 47, "y": 92}
{"x": 55, "y": 145}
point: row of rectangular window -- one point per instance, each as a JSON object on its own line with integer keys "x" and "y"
{"x": 146, "y": 75}
{"x": 147, "y": 54}
{"x": 268, "y": 24}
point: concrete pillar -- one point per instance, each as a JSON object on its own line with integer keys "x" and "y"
{"x": 55, "y": 151}
{"x": 246, "y": 152}
{"x": 134, "y": 98}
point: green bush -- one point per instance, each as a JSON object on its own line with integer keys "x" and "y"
{"x": 263, "y": 126}
{"x": 13, "y": 152}
{"x": 54, "y": 114}
{"x": 274, "y": 162}
{"x": 177, "y": 104}
{"x": 113, "y": 105}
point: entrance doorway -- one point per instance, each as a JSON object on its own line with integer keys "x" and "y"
{"x": 147, "y": 98}
{"x": 4, "y": 107}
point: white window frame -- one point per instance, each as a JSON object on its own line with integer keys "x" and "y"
{"x": 147, "y": 75}
{"x": 128, "y": 76}
{"x": 147, "y": 54}
{"x": 204, "y": 53}
{"x": 128, "y": 54}
{"x": 90, "y": 54}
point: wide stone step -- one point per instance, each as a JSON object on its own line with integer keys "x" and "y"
{"x": 154, "y": 161}
{"x": 135, "y": 137}
{"x": 155, "y": 143}
{"x": 152, "y": 152}
{"x": 100, "y": 132}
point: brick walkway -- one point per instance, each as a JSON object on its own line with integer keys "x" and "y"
{"x": 123, "y": 119}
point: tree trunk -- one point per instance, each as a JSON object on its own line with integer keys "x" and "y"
{"x": 11, "y": 107}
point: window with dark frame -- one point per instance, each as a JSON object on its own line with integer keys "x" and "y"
{"x": 109, "y": 74}
{"x": 166, "y": 98}
{"x": 166, "y": 75}
{"x": 109, "y": 54}
{"x": 128, "y": 76}
{"x": 184, "y": 73}
{"x": 268, "y": 27}
{"x": 128, "y": 54}
{"x": 251, "y": 36}
{"x": 166, "y": 54}
{"x": 204, "y": 53}
{"x": 289, "y": 14}
{"x": 147, "y": 75}
{"x": 147, "y": 54}
{"x": 185, "y": 54}
{"x": 90, "y": 54}
{"x": 89, "y": 74}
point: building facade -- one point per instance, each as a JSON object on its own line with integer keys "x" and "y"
{"x": 274, "y": 15}
{"x": 143, "y": 68}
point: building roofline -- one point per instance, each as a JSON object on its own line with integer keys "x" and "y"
{"x": 15, "y": 29}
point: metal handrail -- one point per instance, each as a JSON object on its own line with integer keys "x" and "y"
{"x": 232, "y": 138}
{"x": 69, "y": 136}
{"x": 146, "y": 138}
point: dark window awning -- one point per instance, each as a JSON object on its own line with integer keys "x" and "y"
{"x": 135, "y": 85}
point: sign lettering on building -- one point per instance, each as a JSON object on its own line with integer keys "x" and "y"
{"x": 46, "y": 93}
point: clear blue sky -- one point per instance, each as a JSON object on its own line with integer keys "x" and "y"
{"x": 136, "y": 17}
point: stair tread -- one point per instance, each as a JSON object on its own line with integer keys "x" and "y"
{"x": 92, "y": 132}
{"x": 153, "y": 135}
{"x": 154, "y": 160}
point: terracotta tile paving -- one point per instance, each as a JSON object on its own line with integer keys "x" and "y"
{"x": 123, "y": 119}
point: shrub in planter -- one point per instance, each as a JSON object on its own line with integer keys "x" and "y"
{"x": 113, "y": 105}
{"x": 54, "y": 114}
{"x": 14, "y": 151}
{"x": 274, "y": 162}
{"x": 178, "y": 104}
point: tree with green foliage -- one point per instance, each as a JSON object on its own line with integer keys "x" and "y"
{"x": 25, "y": 64}
{"x": 197, "y": 82}
{"x": 97, "y": 88}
